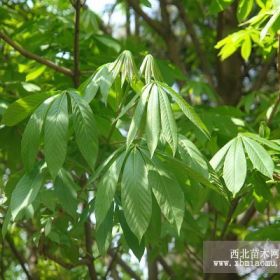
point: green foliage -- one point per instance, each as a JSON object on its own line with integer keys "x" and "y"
{"x": 145, "y": 156}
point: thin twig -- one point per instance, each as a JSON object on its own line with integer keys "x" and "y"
{"x": 35, "y": 57}
{"x": 214, "y": 231}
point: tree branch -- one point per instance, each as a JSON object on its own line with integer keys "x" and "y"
{"x": 89, "y": 254}
{"x": 127, "y": 22}
{"x": 76, "y": 72}
{"x": 152, "y": 266}
{"x": 63, "y": 263}
{"x": 35, "y": 57}
{"x": 166, "y": 267}
{"x": 19, "y": 257}
{"x": 111, "y": 264}
{"x": 249, "y": 214}
{"x": 124, "y": 266}
{"x": 151, "y": 22}
{"x": 163, "y": 29}
{"x": 200, "y": 53}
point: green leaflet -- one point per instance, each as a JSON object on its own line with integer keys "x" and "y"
{"x": 182, "y": 172}
{"x": 137, "y": 117}
{"x": 235, "y": 167}
{"x": 192, "y": 156}
{"x": 259, "y": 157}
{"x": 23, "y": 107}
{"x": 25, "y": 192}
{"x": 32, "y": 134}
{"x": 65, "y": 192}
{"x": 106, "y": 189}
{"x": 56, "y": 129}
{"x": 7, "y": 219}
{"x": 136, "y": 194}
{"x": 103, "y": 232}
{"x": 131, "y": 240}
{"x": 216, "y": 161}
{"x": 244, "y": 9}
{"x": 186, "y": 109}
{"x": 128, "y": 106}
{"x": 270, "y": 23}
{"x": 154, "y": 229}
{"x": 168, "y": 124}
{"x": 263, "y": 141}
{"x": 246, "y": 48}
{"x": 153, "y": 120}
{"x": 169, "y": 196}
{"x": 85, "y": 129}
{"x": 102, "y": 80}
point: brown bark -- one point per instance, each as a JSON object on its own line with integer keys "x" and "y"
{"x": 229, "y": 72}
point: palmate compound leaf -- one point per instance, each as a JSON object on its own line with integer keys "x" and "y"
{"x": 259, "y": 157}
{"x": 85, "y": 129}
{"x": 106, "y": 189}
{"x": 31, "y": 137}
{"x": 105, "y": 76}
{"x": 56, "y": 130}
{"x": 159, "y": 117}
{"x": 150, "y": 70}
{"x": 235, "y": 167}
{"x": 136, "y": 194}
{"x": 125, "y": 66}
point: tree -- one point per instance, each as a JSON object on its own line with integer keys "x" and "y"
{"x": 144, "y": 144}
